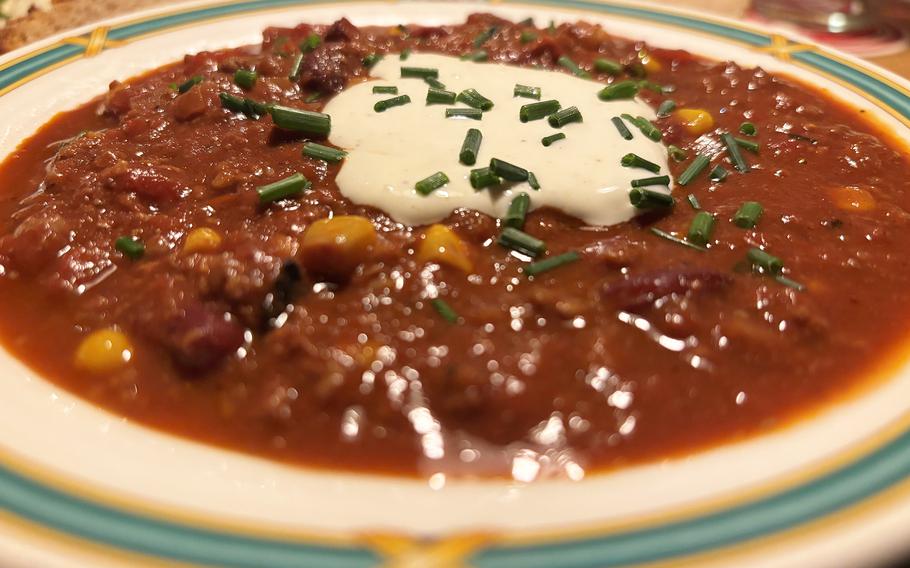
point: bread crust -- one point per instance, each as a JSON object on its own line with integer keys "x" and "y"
{"x": 65, "y": 15}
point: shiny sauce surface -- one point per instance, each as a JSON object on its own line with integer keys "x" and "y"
{"x": 643, "y": 348}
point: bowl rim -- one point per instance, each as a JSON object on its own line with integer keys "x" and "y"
{"x": 882, "y": 469}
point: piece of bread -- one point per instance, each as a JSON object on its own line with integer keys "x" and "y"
{"x": 64, "y": 15}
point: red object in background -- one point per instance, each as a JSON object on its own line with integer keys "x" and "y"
{"x": 856, "y": 26}
{"x": 834, "y": 16}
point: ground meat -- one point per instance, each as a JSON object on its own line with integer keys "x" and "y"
{"x": 641, "y": 348}
{"x": 642, "y": 289}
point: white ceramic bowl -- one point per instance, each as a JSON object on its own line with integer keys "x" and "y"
{"x": 83, "y": 487}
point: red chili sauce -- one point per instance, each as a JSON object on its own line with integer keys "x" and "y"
{"x": 641, "y": 349}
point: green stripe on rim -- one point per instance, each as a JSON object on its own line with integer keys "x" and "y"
{"x": 884, "y": 92}
{"x": 785, "y": 510}
{"x": 163, "y": 539}
{"x": 835, "y": 491}
{"x": 32, "y": 65}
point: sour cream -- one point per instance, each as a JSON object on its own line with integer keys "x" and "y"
{"x": 388, "y": 152}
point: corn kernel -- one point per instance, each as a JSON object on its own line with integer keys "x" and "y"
{"x": 441, "y": 244}
{"x": 103, "y": 351}
{"x": 649, "y": 62}
{"x": 363, "y": 353}
{"x": 202, "y": 239}
{"x": 696, "y": 121}
{"x": 852, "y": 198}
{"x": 336, "y": 246}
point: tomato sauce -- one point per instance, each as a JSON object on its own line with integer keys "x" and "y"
{"x": 641, "y": 349}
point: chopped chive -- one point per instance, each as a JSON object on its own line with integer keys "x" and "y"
{"x": 648, "y": 181}
{"x": 232, "y": 103}
{"x": 474, "y": 99}
{"x": 701, "y": 228}
{"x": 405, "y": 53}
{"x": 440, "y": 97}
{"x": 297, "y": 120}
{"x": 526, "y": 22}
{"x": 532, "y": 181}
{"x": 419, "y": 72}
{"x": 573, "y": 67}
{"x": 748, "y": 129}
{"x": 255, "y": 109}
{"x": 538, "y": 110}
{"x": 645, "y": 126}
{"x": 719, "y": 173}
{"x": 635, "y": 69}
{"x": 313, "y": 97}
{"x": 370, "y": 60}
{"x": 781, "y": 279}
{"x": 748, "y": 214}
{"x": 547, "y": 140}
{"x": 621, "y": 127}
{"x": 444, "y": 310}
{"x": 472, "y": 113}
{"x": 131, "y": 247}
{"x": 485, "y": 36}
{"x": 476, "y": 56}
{"x": 677, "y": 240}
{"x": 748, "y": 144}
{"x": 541, "y": 266}
{"x": 693, "y": 201}
{"x": 483, "y": 177}
{"x": 311, "y": 42}
{"x": 434, "y": 82}
{"x": 518, "y": 210}
{"x": 649, "y": 199}
{"x": 565, "y": 116}
{"x": 320, "y": 152}
{"x": 766, "y": 263}
{"x": 665, "y": 108}
{"x": 508, "y": 171}
{"x": 551, "y": 28}
{"x": 652, "y": 86}
{"x": 429, "y": 184}
{"x": 796, "y": 136}
{"x": 607, "y": 66}
{"x": 697, "y": 166}
{"x": 385, "y": 104}
{"x": 735, "y": 155}
{"x": 527, "y": 36}
{"x": 385, "y": 90}
{"x": 245, "y": 79}
{"x": 252, "y": 109}
{"x": 296, "y": 67}
{"x": 189, "y": 84}
{"x": 619, "y": 90}
{"x": 470, "y": 147}
{"x": 526, "y": 92}
{"x": 635, "y": 161}
{"x": 520, "y": 241}
{"x": 677, "y": 153}
{"x": 287, "y": 187}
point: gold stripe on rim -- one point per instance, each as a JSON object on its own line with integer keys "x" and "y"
{"x": 849, "y": 455}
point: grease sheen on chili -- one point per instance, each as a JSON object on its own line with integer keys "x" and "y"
{"x": 248, "y": 336}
